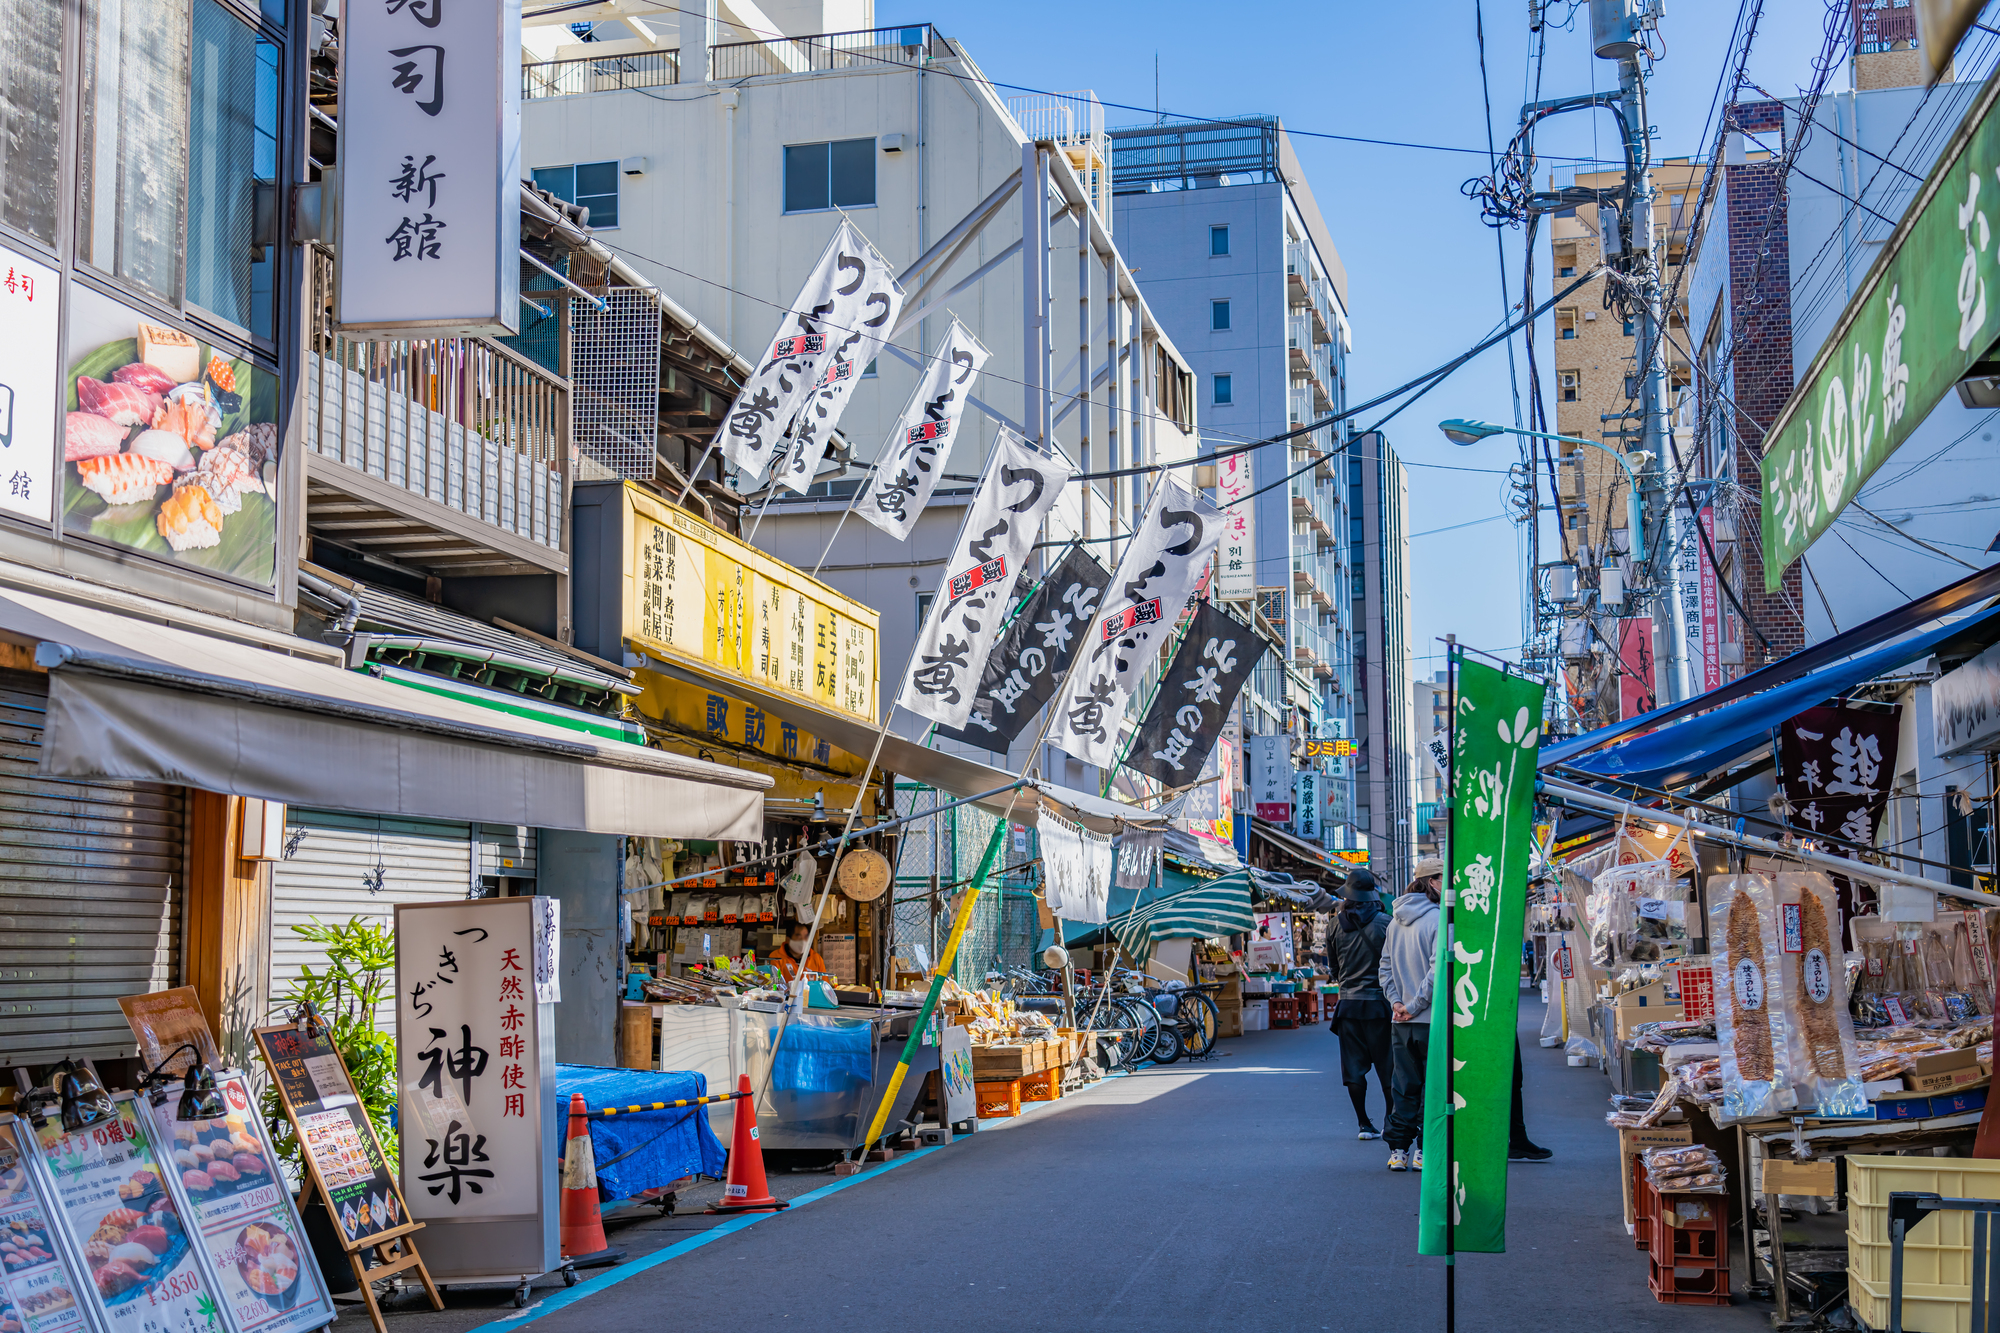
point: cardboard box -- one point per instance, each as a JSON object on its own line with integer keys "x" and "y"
{"x": 1960, "y": 1103}
{"x": 1903, "y": 1108}
{"x": 1632, "y": 1142}
{"x": 1951, "y": 1080}
{"x": 1644, "y": 997}
{"x": 1782, "y": 1175}
{"x": 1631, "y": 1017}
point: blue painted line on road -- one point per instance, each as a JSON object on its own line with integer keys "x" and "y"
{"x": 585, "y": 1290}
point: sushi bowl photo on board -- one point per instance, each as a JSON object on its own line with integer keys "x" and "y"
{"x": 170, "y": 444}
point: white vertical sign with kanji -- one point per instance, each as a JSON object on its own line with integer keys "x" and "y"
{"x": 30, "y": 350}
{"x": 468, "y": 1056}
{"x": 1236, "y": 555}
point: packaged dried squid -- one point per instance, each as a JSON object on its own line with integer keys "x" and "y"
{"x": 1744, "y": 947}
{"x": 1809, "y": 989}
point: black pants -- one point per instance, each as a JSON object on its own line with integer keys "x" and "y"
{"x": 1364, "y": 1045}
{"x": 1411, "y": 1044}
{"x": 1517, "y": 1124}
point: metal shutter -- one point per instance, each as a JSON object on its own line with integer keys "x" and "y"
{"x": 502, "y": 843}
{"x": 91, "y": 884}
{"x": 330, "y": 859}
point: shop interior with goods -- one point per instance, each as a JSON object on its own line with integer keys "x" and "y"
{"x": 1786, "y": 1046}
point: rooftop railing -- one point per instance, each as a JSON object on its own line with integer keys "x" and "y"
{"x": 573, "y": 78}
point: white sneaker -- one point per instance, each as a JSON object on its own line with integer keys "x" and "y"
{"x": 1417, "y": 1159}
{"x": 1399, "y": 1160}
{"x": 1369, "y": 1134}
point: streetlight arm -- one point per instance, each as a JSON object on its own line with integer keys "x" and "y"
{"x": 1466, "y": 432}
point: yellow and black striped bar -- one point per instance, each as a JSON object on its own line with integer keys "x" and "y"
{"x": 666, "y": 1106}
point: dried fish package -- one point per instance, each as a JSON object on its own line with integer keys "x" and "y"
{"x": 1743, "y": 943}
{"x": 1639, "y": 915}
{"x": 1809, "y": 990}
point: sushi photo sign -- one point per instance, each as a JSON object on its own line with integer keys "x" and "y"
{"x": 224, "y": 1177}
{"x": 170, "y": 443}
{"x": 39, "y": 1272}
{"x": 30, "y": 346}
{"x": 108, "y": 1192}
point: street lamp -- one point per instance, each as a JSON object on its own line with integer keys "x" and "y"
{"x": 1459, "y": 430}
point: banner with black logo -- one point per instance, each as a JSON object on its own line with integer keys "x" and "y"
{"x": 1023, "y": 672}
{"x": 1208, "y": 672}
{"x": 907, "y": 471}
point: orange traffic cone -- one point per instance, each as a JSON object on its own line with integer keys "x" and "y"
{"x": 583, "y": 1242}
{"x": 746, "y": 1190}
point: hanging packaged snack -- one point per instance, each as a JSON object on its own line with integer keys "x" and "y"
{"x": 1744, "y": 946}
{"x": 1639, "y": 915}
{"x": 1810, "y": 990}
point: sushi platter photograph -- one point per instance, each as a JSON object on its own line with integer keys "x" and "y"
{"x": 241, "y": 1209}
{"x": 170, "y": 444}
{"x": 36, "y": 1293}
{"x": 110, "y": 1195}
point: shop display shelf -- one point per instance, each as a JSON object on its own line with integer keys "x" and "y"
{"x": 1937, "y": 1253}
{"x": 997, "y": 1101}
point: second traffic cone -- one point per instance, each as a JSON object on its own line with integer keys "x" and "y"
{"x": 582, "y": 1223}
{"x": 746, "y": 1190}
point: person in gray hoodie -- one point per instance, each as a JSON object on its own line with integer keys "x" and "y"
{"x": 1409, "y": 958}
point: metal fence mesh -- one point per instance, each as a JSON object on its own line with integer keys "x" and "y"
{"x": 937, "y": 858}
{"x": 615, "y": 380}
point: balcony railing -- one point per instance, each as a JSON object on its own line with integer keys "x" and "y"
{"x": 461, "y": 423}
{"x": 914, "y": 46}
{"x": 573, "y": 78}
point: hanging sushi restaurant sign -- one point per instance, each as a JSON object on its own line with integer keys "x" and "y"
{"x": 1926, "y": 315}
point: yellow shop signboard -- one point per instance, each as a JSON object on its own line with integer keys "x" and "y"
{"x": 699, "y": 597}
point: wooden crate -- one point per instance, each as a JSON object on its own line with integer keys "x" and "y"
{"x": 635, "y": 1036}
{"x": 995, "y": 1064}
{"x": 997, "y": 1100}
{"x": 1043, "y": 1087}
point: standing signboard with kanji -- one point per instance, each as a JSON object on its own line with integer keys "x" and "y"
{"x": 475, "y": 1081}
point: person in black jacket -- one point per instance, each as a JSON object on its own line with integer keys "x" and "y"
{"x": 1361, "y": 1017}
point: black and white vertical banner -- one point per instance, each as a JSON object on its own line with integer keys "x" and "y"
{"x": 875, "y": 300}
{"x": 1186, "y": 719}
{"x": 1017, "y": 491}
{"x": 1163, "y": 565}
{"x": 1024, "y": 671}
{"x": 831, "y": 302}
{"x": 907, "y": 470}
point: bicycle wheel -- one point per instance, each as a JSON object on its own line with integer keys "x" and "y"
{"x": 1112, "y": 1051}
{"x": 1167, "y": 1045}
{"x": 1144, "y": 1020}
{"x": 1200, "y": 1020}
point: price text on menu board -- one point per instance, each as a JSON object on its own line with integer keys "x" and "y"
{"x": 37, "y": 1290}
{"x": 334, "y": 1132}
{"x": 243, "y": 1214}
{"x": 695, "y": 593}
{"x": 114, "y": 1203}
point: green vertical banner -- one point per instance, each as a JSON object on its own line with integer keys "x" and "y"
{"x": 1495, "y": 734}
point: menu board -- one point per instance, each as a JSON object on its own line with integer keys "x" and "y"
{"x": 338, "y": 1142}
{"x": 110, "y": 1196}
{"x": 226, "y": 1178}
{"x": 37, "y": 1288}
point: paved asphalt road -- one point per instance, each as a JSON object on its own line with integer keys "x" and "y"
{"x": 1231, "y": 1194}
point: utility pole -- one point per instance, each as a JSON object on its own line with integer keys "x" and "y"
{"x": 1615, "y": 26}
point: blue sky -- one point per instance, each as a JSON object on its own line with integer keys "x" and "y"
{"x": 1422, "y": 268}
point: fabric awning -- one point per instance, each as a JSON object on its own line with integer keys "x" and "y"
{"x": 912, "y": 762}
{"x": 1298, "y": 847}
{"x": 1699, "y": 745}
{"x": 1219, "y": 906}
{"x": 133, "y": 699}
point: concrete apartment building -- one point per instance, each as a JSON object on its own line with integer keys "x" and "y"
{"x": 1236, "y": 259}
{"x": 1384, "y": 783}
{"x": 898, "y": 130}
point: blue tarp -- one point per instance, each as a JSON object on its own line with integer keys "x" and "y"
{"x": 649, "y": 1149}
{"x": 1690, "y": 749}
{"x": 822, "y": 1056}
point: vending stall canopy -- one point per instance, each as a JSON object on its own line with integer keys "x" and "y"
{"x": 134, "y": 699}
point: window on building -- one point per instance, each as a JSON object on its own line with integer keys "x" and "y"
{"x": 591, "y": 185}
{"x": 31, "y": 48}
{"x": 924, "y": 600}
{"x": 869, "y": 371}
{"x": 1630, "y": 325}
{"x": 1218, "y": 315}
{"x": 1568, "y": 381}
{"x": 180, "y": 119}
{"x": 1354, "y": 472}
{"x": 1566, "y": 323}
{"x": 840, "y": 174}
{"x": 1566, "y": 271}
{"x": 1225, "y": 391}
{"x": 1218, "y": 239}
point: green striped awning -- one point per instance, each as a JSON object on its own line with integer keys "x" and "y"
{"x": 1219, "y": 906}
